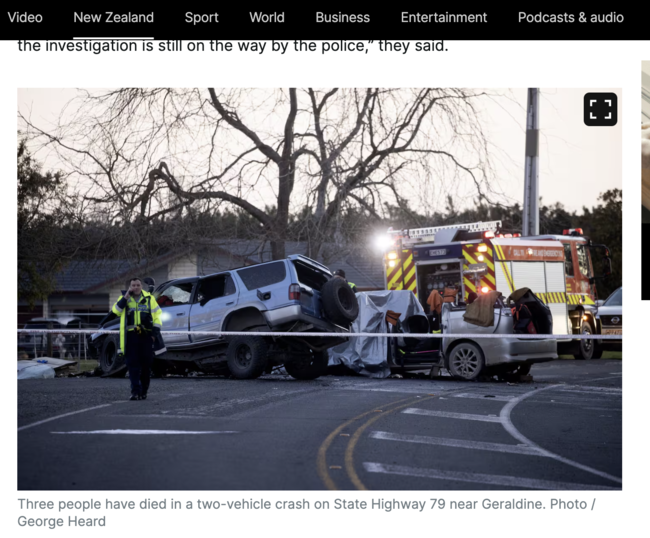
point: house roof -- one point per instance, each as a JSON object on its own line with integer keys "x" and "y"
{"x": 93, "y": 275}
{"x": 362, "y": 266}
{"x": 80, "y": 276}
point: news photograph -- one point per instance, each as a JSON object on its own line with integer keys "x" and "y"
{"x": 314, "y": 289}
{"x": 645, "y": 144}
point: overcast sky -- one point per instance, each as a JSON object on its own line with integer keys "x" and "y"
{"x": 577, "y": 162}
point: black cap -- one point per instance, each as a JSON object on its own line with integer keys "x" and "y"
{"x": 340, "y": 272}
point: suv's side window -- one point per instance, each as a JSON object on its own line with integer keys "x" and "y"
{"x": 215, "y": 287}
{"x": 259, "y": 276}
{"x": 230, "y": 287}
{"x": 175, "y": 295}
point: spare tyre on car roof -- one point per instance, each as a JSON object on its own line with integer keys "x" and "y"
{"x": 339, "y": 302}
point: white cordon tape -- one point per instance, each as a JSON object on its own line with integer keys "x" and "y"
{"x": 345, "y": 335}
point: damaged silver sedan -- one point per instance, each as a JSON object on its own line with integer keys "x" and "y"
{"x": 464, "y": 357}
{"x": 521, "y": 313}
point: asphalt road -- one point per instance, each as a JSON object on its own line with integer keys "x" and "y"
{"x": 561, "y": 432}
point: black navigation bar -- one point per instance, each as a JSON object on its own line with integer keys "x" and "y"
{"x": 253, "y": 22}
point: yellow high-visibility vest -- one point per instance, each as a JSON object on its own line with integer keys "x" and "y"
{"x": 123, "y": 308}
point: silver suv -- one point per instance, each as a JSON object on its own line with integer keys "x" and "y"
{"x": 294, "y": 295}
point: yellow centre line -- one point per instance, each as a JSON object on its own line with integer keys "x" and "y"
{"x": 349, "y": 451}
{"x": 321, "y": 458}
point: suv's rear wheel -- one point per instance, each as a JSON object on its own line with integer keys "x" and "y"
{"x": 308, "y": 366}
{"x": 339, "y": 302}
{"x": 247, "y": 356}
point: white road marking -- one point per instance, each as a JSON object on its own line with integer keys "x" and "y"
{"x": 578, "y": 401}
{"x": 199, "y": 417}
{"x": 604, "y": 391}
{"x": 604, "y": 379}
{"x": 144, "y": 432}
{"x": 447, "y": 414}
{"x": 61, "y": 416}
{"x": 510, "y": 428}
{"x": 486, "y": 397}
{"x": 404, "y": 390}
{"x": 457, "y": 443}
{"x": 479, "y": 478}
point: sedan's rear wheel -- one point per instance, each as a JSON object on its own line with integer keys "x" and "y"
{"x": 466, "y": 361}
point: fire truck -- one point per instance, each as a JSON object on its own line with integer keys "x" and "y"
{"x": 479, "y": 257}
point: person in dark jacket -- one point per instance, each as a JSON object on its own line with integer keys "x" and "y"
{"x": 341, "y": 274}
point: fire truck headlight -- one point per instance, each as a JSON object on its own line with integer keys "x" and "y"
{"x": 392, "y": 255}
{"x": 480, "y": 258}
{"x": 482, "y": 248}
{"x": 485, "y": 289}
{"x": 391, "y": 263}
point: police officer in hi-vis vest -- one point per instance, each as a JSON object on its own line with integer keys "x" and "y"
{"x": 140, "y": 322}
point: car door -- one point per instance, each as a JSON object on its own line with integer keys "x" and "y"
{"x": 453, "y": 322}
{"x": 175, "y": 301}
{"x": 215, "y": 297}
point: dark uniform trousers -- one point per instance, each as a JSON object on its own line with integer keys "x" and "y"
{"x": 139, "y": 358}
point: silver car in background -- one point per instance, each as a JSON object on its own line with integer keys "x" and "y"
{"x": 610, "y": 317}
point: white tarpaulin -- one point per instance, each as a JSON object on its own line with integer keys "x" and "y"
{"x": 367, "y": 355}
{"x": 37, "y": 371}
{"x": 54, "y": 363}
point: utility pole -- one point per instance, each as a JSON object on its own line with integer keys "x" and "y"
{"x": 531, "y": 170}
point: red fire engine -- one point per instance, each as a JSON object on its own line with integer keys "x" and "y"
{"x": 479, "y": 257}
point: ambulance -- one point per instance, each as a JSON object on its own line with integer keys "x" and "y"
{"x": 479, "y": 257}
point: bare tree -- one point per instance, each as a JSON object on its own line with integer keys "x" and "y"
{"x": 143, "y": 155}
